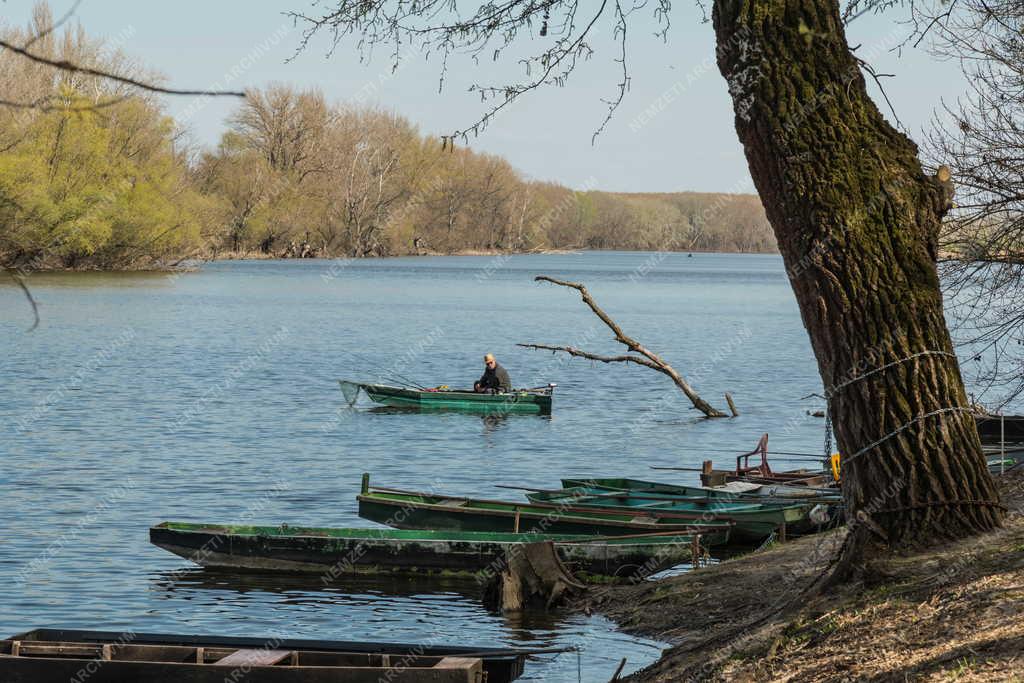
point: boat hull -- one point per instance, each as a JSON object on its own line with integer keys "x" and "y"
{"x": 318, "y": 661}
{"x": 754, "y": 521}
{"x": 415, "y": 511}
{"x": 335, "y": 553}
{"x": 753, "y": 517}
{"x": 514, "y": 402}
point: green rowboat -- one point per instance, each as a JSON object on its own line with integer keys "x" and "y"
{"x": 518, "y": 401}
{"x": 415, "y": 510}
{"x": 334, "y": 553}
{"x": 754, "y": 520}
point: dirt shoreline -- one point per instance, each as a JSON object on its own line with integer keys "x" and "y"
{"x": 952, "y": 613}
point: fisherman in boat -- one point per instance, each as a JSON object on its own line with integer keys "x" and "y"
{"x": 495, "y": 379}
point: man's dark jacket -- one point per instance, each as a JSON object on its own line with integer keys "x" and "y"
{"x": 496, "y": 378}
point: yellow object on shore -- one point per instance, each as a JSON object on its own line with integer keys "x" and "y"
{"x": 835, "y": 465}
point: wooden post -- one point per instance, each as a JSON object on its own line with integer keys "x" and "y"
{"x": 695, "y": 551}
{"x": 732, "y": 406}
{"x": 365, "y": 486}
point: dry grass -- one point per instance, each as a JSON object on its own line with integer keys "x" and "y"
{"x": 950, "y": 614}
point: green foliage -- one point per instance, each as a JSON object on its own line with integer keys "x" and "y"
{"x": 90, "y": 177}
{"x": 90, "y": 187}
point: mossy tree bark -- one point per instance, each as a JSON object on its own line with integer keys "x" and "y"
{"x": 857, "y": 222}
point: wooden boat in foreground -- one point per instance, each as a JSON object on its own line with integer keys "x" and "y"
{"x": 416, "y": 510}
{"x": 754, "y": 519}
{"x": 333, "y": 553}
{"x": 518, "y": 401}
{"x": 45, "y": 655}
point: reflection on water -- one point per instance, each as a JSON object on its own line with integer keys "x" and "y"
{"x": 399, "y": 608}
{"x": 223, "y": 406}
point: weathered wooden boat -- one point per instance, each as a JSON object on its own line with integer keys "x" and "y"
{"x": 778, "y": 491}
{"x": 754, "y": 519}
{"x": 334, "y": 553}
{"x": 762, "y": 473}
{"x": 518, "y": 401}
{"x": 45, "y": 655}
{"x": 416, "y": 510}
{"x": 996, "y": 429}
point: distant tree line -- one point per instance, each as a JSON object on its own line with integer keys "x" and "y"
{"x": 96, "y": 176}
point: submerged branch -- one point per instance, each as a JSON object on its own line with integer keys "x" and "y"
{"x": 644, "y": 356}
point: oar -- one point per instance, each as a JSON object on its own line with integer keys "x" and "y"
{"x": 527, "y": 488}
{"x": 677, "y": 469}
{"x": 816, "y": 456}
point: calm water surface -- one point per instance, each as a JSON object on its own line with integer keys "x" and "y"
{"x": 213, "y": 396}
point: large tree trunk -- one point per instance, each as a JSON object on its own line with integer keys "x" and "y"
{"x": 857, "y": 222}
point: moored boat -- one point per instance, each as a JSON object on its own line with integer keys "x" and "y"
{"x": 416, "y": 510}
{"x": 762, "y": 472}
{"x": 732, "y": 491}
{"x": 518, "y": 401}
{"x": 129, "y": 657}
{"x": 996, "y": 429}
{"x": 334, "y": 553}
{"x": 754, "y": 519}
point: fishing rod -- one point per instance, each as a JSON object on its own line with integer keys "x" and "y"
{"x": 388, "y": 372}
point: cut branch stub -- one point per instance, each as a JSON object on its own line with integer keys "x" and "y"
{"x": 638, "y": 354}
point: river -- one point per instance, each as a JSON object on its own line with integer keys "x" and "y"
{"x": 213, "y": 396}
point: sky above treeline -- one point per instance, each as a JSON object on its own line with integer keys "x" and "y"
{"x": 673, "y": 132}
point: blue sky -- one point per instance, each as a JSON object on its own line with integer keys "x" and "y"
{"x": 690, "y": 143}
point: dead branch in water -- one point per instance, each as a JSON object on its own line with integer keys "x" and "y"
{"x": 646, "y": 357}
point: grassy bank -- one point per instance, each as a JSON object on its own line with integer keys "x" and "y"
{"x": 951, "y": 613}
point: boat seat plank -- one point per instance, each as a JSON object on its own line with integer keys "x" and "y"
{"x": 254, "y": 658}
{"x": 30, "y": 649}
{"x": 459, "y": 663}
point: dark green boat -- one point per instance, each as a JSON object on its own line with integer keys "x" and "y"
{"x": 415, "y": 510}
{"x": 334, "y": 553}
{"x": 518, "y": 401}
{"x": 754, "y": 519}
{"x": 729, "y": 492}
